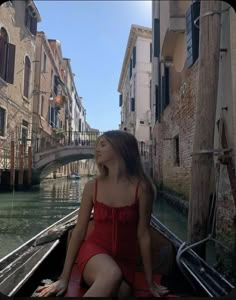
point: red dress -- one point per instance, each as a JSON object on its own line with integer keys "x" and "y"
{"x": 114, "y": 233}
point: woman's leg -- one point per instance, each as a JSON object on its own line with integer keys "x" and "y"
{"x": 103, "y": 276}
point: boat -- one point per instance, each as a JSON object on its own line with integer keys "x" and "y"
{"x": 40, "y": 260}
{"x": 74, "y": 176}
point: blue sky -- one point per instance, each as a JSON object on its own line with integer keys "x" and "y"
{"x": 94, "y": 36}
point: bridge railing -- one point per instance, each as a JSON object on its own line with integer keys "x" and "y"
{"x": 65, "y": 138}
{"x": 83, "y": 139}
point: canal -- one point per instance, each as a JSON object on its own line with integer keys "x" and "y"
{"x": 24, "y": 214}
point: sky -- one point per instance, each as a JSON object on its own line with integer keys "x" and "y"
{"x": 94, "y": 35}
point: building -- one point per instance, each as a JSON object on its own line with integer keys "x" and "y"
{"x": 48, "y": 98}
{"x": 174, "y": 95}
{"x": 18, "y": 27}
{"x": 135, "y": 84}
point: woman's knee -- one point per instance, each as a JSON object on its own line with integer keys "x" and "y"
{"x": 114, "y": 274}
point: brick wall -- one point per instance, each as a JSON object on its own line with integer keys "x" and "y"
{"x": 177, "y": 119}
{"x": 11, "y": 98}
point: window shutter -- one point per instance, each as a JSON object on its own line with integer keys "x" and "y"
{"x": 192, "y": 33}
{"x": 27, "y": 18}
{"x": 151, "y": 52}
{"x": 10, "y": 63}
{"x": 130, "y": 68}
{"x": 157, "y": 102}
{"x": 33, "y": 25}
{"x": 27, "y": 77}
{"x": 156, "y": 37}
{"x": 132, "y": 104}
{"x": 134, "y": 57}
{"x": 166, "y": 87}
{"x": 55, "y": 84}
{"x": 162, "y": 93}
{"x": 2, "y": 121}
{"x": 3, "y": 52}
{"x": 120, "y": 100}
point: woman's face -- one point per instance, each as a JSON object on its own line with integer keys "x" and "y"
{"x": 104, "y": 151}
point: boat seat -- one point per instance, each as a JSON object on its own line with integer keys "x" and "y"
{"x": 141, "y": 290}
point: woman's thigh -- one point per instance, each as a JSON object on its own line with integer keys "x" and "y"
{"x": 101, "y": 266}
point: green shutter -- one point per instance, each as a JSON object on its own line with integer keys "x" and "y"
{"x": 156, "y": 37}
{"x": 192, "y": 33}
{"x": 134, "y": 57}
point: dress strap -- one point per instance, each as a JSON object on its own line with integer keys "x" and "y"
{"x": 95, "y": 191}
{"x": 136, "y": 192}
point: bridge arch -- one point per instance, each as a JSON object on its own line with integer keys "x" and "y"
{"x": 47, "y": 161}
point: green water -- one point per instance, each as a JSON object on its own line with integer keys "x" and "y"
{"x": 24, "y": 214}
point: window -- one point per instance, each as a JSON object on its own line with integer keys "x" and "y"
{"x": 27, "y": 76}
{"x": 132, "y": 104}
{"x": 156, "y": 37}
{"x": 24, "y": 132}
{"x": 134, "y": 57}
{"x": 157, "y": 102}
{"x": 150, "y": 94}
{"x": 130, "y": 68}
{"x": 120, "y": 100}
{"x": 192, "y": 33}
{"x": 165, "y": 95}
{"x": 2, "y": 121}
{"x": 176, "y": 151}
{"x": 150, "y": 52}
{"x": 44, "y": 62}
{"x": 42, "y": 105}
{"x": 7, "y": 57}
{"x": 31, "y": 19}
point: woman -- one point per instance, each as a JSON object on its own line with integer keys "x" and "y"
{"x": 122, "y": 198}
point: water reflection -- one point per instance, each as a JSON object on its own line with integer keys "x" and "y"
{"x": 24, "y": 214}
{"x": 171, "y": 218}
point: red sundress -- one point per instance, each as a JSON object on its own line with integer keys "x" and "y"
{"x": 114, "y": 233}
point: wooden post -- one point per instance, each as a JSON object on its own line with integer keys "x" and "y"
{"x": 29, "y": 165}
{"x": 21, "y": 165}
{"x": 202, "y": 163}
{"x": 12, "y": 161}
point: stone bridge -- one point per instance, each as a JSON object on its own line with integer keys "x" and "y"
{"x": 50, "y": 153}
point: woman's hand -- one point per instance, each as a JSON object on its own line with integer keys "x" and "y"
{"x": 57, "y": 288}
{"x": 158, "y": 290}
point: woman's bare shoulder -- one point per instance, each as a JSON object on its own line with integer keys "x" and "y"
{"x": 91, "y": 182}
{"x": 146, "y": 187}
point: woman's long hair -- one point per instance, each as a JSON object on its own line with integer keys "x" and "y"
{"x": 126, "y": 147}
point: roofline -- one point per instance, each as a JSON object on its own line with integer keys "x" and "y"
{"x": 135, "y": 31}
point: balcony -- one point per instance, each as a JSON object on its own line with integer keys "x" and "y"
{"x": 174, "y": 29}
{"x": 177, "y": 10}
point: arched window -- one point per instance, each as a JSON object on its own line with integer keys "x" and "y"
{"x": 4, "y": 35}
{"x": 27, "y": 77}
{"x": 7, "y": 57}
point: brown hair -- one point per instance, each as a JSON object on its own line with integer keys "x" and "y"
{"x": 126, "y": 146}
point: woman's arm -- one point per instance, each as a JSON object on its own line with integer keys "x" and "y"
{"x": 146, "y": 195}
{"x": 76, "y": 239}
{"x": 80, "y": 229}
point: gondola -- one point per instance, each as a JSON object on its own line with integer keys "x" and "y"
{"x": 41, "y": 260}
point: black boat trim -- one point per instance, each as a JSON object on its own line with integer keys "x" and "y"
{"x": 195, "y": 265}
{"x": 20, "y": 284}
